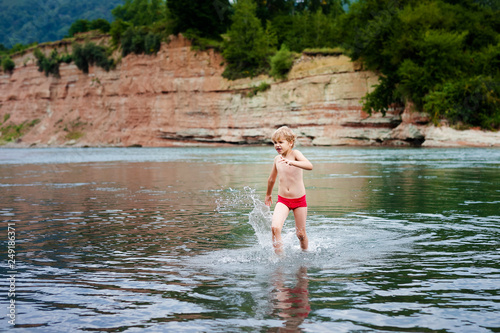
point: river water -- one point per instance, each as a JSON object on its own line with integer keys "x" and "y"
{"x": 178, "y": 240}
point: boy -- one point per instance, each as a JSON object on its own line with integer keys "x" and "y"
{"x": 288, "y": 166}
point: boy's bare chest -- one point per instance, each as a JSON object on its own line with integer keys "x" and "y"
{"x": 288, "y": 172}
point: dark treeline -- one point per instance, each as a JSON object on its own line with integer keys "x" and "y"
{"x": 443, "y": 56}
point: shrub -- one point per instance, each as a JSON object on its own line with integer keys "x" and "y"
{"x": 152, "y": 43}
{"x": 139, "y": 40}
{"x": 260, "y": 88}
{"x": 281, "y": 62}
{"x": 13, "y": 132}
{"x": 199, "y": 43}
{"x": 48, "y": 65}
{"x": 474, "y": 101}
{"x": 8, "y": 65}
{"x": 133, "y": 41}
{"x": 91, "y": 54}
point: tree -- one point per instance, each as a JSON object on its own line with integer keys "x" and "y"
{"x": 209, "y": 18}
{"x": 247, "y": 47}
{"x": 84, "y": 25}
{"x": 3, "y": 49}
{"x": 141, "y": 12}
{"x": 100, "y": 24}
{"x": 78, "y": 26}
{"x": 442, "y": 55}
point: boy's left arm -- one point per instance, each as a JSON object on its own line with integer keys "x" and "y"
{"x": 301, "y": 161}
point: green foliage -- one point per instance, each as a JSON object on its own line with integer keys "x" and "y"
{"x": 140, "y": 40}
{"x": 270, "y": 9}
{"x": 208, "y": 18}
{"x": 281, "y": 62}
{"x": 472, "y": 101}
{"x": 19, "y": 48}
{"x": 28, "y": 21}
{"x": 91, "y": 54}
{"x": 307, "y": 30}
{"x": 141, "y": 12}
{"x": 78, "y": 26}
{"x": 85, "y": 25}
{"x": 48, "y": 65}
{"x": 199, "y": 43}
{"x": 247, "y": 47}
{"x": 8, "y": 64}
{"x": 140, "y": 26}
{"x": 101, "y": 25}
{"x": 13, "y": 132}
{"x": 118, "y": 28}
{"x": 324, "y": 51}
{"x": 429, "y": 52}
{"x": 263, "y": 86}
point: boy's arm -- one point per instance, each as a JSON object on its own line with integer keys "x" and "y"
{"x": 270, "y": 184}
{"x": 300, "y": 161}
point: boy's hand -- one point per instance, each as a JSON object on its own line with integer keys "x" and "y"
{"x": 284, "y": 160}
{"x": 269, "y": 200}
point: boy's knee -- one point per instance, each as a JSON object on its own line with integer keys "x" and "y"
{"x": 276, "y": 230}
{"x": 301, "y": 234}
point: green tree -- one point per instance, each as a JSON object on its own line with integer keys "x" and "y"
{"x": 118, "y": 28}
{"x": 269, "y": 9}
{"x": 208, "y": 18}
{"x": 247, "y": 47}
{"x": 141, "y": 12}
{"x": 430, "y": 53}
{"x": 78, "y": 26}
{"x": 148, "y": 15}
{"x": 334, "y": 7}
{"x": 100, "y": 24}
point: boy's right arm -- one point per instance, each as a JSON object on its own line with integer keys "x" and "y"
{"x": 270, "y": 185}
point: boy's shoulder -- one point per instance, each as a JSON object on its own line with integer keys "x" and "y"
{"x": 296, "y": 153}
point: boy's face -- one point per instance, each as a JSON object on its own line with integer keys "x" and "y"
{"x": 282, "y": 145}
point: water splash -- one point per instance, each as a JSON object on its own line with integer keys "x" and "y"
{"x": 237, "y": 201}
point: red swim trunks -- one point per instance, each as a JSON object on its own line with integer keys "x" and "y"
{"x": 293, "y": 203}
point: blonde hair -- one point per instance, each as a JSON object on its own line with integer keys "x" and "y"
{"x": 286, "y": 133}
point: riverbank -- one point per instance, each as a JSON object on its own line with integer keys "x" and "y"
{"x": 179, "y": 97}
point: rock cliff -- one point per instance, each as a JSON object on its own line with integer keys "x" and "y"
{"x": 178, "y": 97}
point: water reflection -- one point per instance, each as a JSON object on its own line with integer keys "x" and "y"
{"x": 401, "y": 240}
{"x": 291, "y": 304}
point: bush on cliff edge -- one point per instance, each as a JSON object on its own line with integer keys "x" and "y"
{"x": 91, "y": 54}
{"x": 8, "y": 64}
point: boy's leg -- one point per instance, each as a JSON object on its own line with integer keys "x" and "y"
{"x": 300, "y": 214}
{"x": 279, "y": 216}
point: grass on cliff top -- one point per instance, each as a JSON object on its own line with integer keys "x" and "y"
{"x": 324, "y": 51}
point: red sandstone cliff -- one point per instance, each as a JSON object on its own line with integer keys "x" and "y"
{"x": 179, "y": 96}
